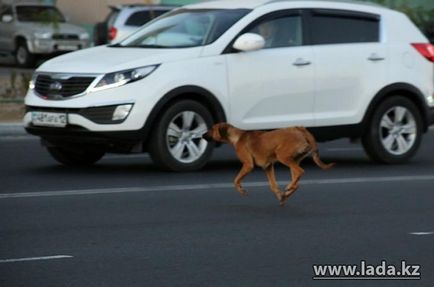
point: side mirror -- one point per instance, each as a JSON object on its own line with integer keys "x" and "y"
{"x": 249, "y": 42}
{"x": 7, "y": 18}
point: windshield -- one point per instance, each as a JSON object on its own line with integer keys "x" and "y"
{"x": 184, "y": 28}
{"x": 39, "y": 14}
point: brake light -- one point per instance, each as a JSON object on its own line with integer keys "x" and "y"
{"x": 425, "y": 49}
{"x": 112, "y": 33}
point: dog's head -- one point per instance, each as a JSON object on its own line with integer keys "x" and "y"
{"x": 219, "y": 133}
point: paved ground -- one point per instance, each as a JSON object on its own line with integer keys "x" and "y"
{"x": 124, "y": 223}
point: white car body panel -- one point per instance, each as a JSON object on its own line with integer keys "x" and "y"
{"x": 336, "y": 89}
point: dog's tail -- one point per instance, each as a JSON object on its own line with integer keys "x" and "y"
{"x": 315, "y": 153}
{"x": 318, "y": 161}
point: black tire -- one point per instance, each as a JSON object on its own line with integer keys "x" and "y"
{"x": 23, "y": 57}
{"x": 162, "y": 145}
{"x": 384, "y": 144}
{"x": 100, "y": 34}
{"x": 75, "y": 157}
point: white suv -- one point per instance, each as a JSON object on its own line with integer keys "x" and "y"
{"x": 342, "y": 69}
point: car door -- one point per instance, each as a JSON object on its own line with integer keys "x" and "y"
{"x": 272, "y": 87}
{"x": 351, "y": 64}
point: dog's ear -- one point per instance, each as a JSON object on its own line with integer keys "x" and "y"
{"x": 223, "y": 131}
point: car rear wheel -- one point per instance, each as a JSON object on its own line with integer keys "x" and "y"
{"x": 395, "y": 132}
{"x": 176, "y": 142}
{"x": 75, "y": 157}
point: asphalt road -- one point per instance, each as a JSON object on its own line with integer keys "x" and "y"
{"x": 124, "y": 223}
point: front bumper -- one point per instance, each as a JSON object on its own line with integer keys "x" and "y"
{"x": 51, "y": 46}
{"x": 72, "y": 136}
{"x": 431, "y": 116}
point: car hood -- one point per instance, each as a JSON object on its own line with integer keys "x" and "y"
{"x": 106, "y": 59}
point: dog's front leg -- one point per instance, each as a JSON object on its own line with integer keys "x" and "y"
{"x": 247, "y": 167}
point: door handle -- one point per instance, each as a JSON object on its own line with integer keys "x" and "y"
{"x": 301, "y": 62}
{"x": 375, "y": 57}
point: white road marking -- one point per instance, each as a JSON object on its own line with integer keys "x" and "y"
{"x": 213, "y": 186}
{"x": 35, "y": 258}
{"x": 422, "y": 233}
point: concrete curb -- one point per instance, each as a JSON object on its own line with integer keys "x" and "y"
{"x": 12, "y": 129}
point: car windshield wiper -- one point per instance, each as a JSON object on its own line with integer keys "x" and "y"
{"x": 149, "y": 46}
{"x": 117, "y": 45}
{"x": 146, "y": 46}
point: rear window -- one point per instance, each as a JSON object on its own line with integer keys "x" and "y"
{"x": 142, "y": 17}
{"x": 331, "y": 27}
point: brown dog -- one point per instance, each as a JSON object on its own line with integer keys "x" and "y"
{"x": 288, "y": 146}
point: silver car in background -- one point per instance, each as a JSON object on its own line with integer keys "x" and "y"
{"x": 31, "y": 30}
{"x": 126, "y": 19}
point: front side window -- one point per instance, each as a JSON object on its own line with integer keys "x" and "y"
{"x": 39, "y": 14}
{"x": 185, "y": 28}
{"x": 335, "y": 28}
{"x": 280, "y": 32}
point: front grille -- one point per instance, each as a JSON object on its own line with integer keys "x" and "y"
{"x": 58, "y": 89}
{"x": 65, "y": 37}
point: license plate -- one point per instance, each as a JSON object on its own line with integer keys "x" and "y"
{"x": 67, "y": 47}
{"x": 57, "y": 120}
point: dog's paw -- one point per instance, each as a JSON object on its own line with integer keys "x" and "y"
{"x": 242, "y": 192}
{"x": 283, "y": 200}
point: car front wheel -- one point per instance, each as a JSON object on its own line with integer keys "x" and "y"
{"x": 75, "y": 157}
{"x": 395, "y": 132}
{"x": 176, "y": 142}
{"x": 23, "y": 57}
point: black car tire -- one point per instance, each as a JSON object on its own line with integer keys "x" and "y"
{"x": 75, "y": 157}
{"x": 163, "y": 147}
{"x": 23, "y": 57}
{"x": 386, "y": 135}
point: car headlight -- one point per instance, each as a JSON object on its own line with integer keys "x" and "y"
{"x": 84, "y": 36}
{"x": 42, "y": 35}
{"x": 117, "y": 79}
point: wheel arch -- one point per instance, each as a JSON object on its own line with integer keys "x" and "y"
{"x": 402, "y": 89}
{"x": 19, "y": 38}
{"x": 195, "y": 93}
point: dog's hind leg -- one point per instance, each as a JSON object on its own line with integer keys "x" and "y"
{"x": 296, "y": 173}
{"x": 269, "y": 170}
{"x": 247, "y": 167}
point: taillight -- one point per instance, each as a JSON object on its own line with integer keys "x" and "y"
{"x": 425, "y": 49}
{"x": 112, "y": 33}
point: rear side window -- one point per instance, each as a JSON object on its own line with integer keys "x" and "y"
{"x": 142, "y": 17}
{"x": 332, "y": 27}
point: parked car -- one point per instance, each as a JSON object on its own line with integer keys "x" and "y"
{"x": 125, "y": 19}
{"x": 341, "y": 69}
{"x": 31, "y": 30}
